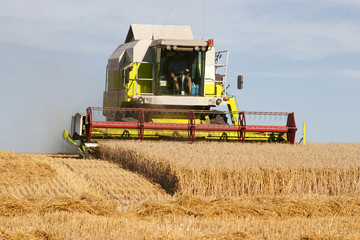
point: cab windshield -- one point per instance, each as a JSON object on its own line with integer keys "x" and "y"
{"x": 179, "y": 72}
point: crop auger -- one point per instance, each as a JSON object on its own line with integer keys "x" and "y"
{"x": 163, "y": 84}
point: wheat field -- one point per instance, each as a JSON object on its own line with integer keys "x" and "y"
{"x": 231, "y": 169}
{"x": 176, "y": 190}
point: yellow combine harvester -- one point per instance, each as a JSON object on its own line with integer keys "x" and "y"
{"x": 163, "y": 84}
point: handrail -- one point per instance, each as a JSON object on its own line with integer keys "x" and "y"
{"x": 124, "y": 84}
{"x": 222, "y": 65}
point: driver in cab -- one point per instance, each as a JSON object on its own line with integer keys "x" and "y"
{"x": 177, "y": 66}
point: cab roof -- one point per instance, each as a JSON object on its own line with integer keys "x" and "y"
{"x": 153, "y": 32}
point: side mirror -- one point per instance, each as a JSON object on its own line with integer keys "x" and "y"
{"x": 126, "y": 74}
{"x": 240, "y": 82}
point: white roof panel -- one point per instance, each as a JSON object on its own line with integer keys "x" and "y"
{"x": 150, "y": 32}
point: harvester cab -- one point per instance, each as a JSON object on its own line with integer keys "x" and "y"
{"x": 163, "y": 66}
{"x": 162, "y": 83}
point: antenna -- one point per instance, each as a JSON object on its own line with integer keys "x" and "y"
{"x": 202, "y": 37}
{"x": 152, "y": 21}
{"x": 172, "y": 7}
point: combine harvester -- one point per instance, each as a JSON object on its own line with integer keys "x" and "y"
{"x": 163, "y": 84}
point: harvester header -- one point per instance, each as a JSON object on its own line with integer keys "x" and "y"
{"x": 164, "y": 84}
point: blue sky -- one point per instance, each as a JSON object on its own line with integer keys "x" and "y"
{"x": 300, "y": 56}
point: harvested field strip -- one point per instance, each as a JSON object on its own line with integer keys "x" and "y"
{"x": 72, "y": 177}
{"x": 233, "y": 169}
{"x": 23, "y": 169}
{"x": 11, "y": 206}
{"x": 264, "y": 207}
